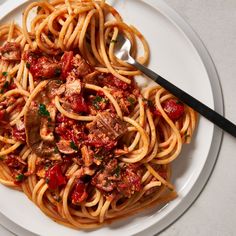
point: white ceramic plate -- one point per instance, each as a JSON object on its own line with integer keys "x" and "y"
{"x": 179, "y": 56}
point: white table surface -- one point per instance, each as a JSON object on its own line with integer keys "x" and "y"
{"x": 214, "y": 212}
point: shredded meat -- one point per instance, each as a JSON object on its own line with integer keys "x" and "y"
{"x": 73, "y": 86}
{"x": 81, "y": 67}
{"x": 109, "y": 124}
{"x": 10, "y": 51}
{"x": 101, "y": 179}
{"x": 41, "y": 66}
{"x": 64, "y": 147}
{"x": 114, "y": 178}
{"x": 87, "y": 156}
{"x": 39, "y": 127}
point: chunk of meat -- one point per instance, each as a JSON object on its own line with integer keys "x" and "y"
{"x": 10, "y": 51}
{"x": 81, "y": 67}
{"x": 42, "y": 67}
{"x": 47, "y": 124}
{"x": 66, "y": 62}
{"x": 79, "y": 193}
{"x": 33, "y": 138}
{"x": 40, "y": 123}
{"x": 73, "y": 86}
{"x": 130, "y": 181}
{"x": 109, "y": 124}
{"x": 64, "y": 146}
{"x": 126, "y": 180}
{"x": 101, "y": 179}
{"x": 87, "y": 156}
{"x": 54, "y": 88}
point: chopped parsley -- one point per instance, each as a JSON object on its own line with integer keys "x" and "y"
{"x": 117, "y": 171}
{"x": 98, "y": 157}
{"x": 20, "y": 177}
{"x": 73, "y": 146}
{"x": 148, "y": 102}
{"x": 131, "y": 101}
{"x": 58, "y": 81}
{"x": 43, "y": 110}
{"x": 57, "y": 72}
{"x": 39, "y": 8}
{"x": 186, "y": 136}
{"x": 27, "y": 65}
{"x": 58, "y": 198}
{"x": 96, "y": 102}
{"x": 6, "y": 85}
{"x": 113, "y": 41}
{"x": 5, "y": 73}
{"x": 56, "y": 150}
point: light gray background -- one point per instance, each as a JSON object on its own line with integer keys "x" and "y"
{"x": 214, "y": 212}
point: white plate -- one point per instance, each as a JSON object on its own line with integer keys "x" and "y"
{"x": 179, "y": 56}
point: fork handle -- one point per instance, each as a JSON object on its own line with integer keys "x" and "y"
{"x": 198, "y": 106}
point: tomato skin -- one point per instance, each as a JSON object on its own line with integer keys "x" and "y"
{"x": 78, "y": 103}
{"x": 54, "y": 177}
{"x": 174, "y": 109}
{"x": 66, "y": 62}
{"x": 79, "y": 193}
{"x": 40, "y": 66}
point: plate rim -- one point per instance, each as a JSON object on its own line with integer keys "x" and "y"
{"x": 213, "y": 76}
{"x": 218, "y": 99}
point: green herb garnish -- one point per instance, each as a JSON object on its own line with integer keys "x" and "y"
{"x": 43, "y": 110}
{"x": 57, "y": 72}
{"x": 148, "y": 102}
{"x": 58, "y": 198}
{"x": 27, "y": 65}
{"x": 73, "y": 146}
{"x": 58, "y": 81}
{"x": 96, "y": 102}
{"x": 131, "y": 101}
{"x": 98, "y": 157}
{"x": 178, "y": 102}
{"x": 20, "y": 177}
{"x": 56, "y": 150}
{"x": 113, "y": 41}
{"x": 117, "y": 171}
{"x": 6, "y": 85}
{"x": 39, "y": 8}
{"x": 5, "y": 73}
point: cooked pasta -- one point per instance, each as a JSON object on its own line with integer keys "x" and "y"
{"x": 77, "y": 134}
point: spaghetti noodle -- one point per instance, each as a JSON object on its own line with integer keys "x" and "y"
{"x": 77, "y": 135}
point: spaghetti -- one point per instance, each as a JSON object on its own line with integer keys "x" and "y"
{"x": 77, "y": 135}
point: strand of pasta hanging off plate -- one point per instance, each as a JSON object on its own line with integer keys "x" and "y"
{"x": 77, "y": 134}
